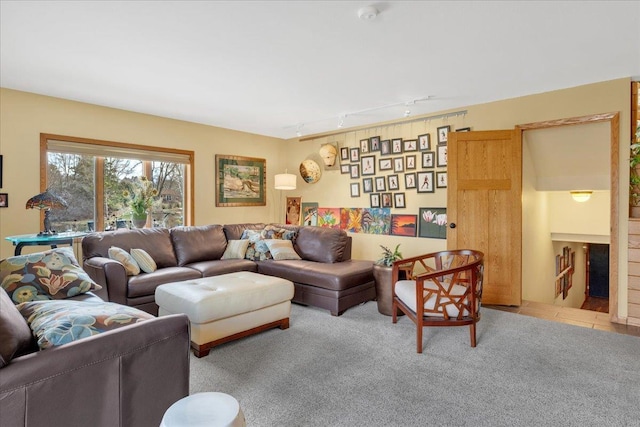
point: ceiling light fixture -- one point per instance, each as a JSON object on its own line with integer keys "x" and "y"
{"x": 367, "y": 13}
{"x": 581, "y": 195}
{"x": 299, "y": 129}
{"x": 341, "y": 120}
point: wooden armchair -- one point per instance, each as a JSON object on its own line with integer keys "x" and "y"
{"x": 440, "y": 289}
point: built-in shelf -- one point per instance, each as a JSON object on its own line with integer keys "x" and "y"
{"x": 582, "y": 238}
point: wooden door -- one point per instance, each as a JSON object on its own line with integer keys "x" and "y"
{"x": 484, "y": 207}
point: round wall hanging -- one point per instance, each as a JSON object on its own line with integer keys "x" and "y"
{"x": 310, "y": 171}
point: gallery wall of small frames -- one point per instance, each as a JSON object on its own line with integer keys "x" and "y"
{"x": 389, "y": 172}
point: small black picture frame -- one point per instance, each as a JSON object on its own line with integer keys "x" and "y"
{"x": 424, "y": 142}
{"x": 387, "y": 200}
{"x": 398, "y": 164}
{"x": 428, "y": 159}
{"x": 374, "y": 200}
{"x": 381, "y": 183}
{"x": 4, "y": 200}
{"x": 409, "y": 145}
{"x": 385, "y": 164}
{"x": 443, "y": 134}
{"x": 364, "y": 146}
{"x": 425, "y": 182}
{"x": 345, "y": 169}
{"x": 441, "y": 179}
{"x": 374, "y": 143}
{"x": 410, "y": 180}
{"x": 355, "y": 171}
{"x": 398, "y": 200}
{"x": 354, "y": 155}
{"x": 367, "y": 185}
{"x": 385, "y": 147}
{"x": 410, "y": 162}
{"x": 396, "y": 146}
{"x": 344, "y": 153}
{"x": 442, "y": 156}
{"x": 368, "y": 165}
{"x": 393, "y": 182}
{"x": 355, "y": 189}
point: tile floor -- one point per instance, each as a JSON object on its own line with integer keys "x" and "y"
{"x": 573, "y": 316}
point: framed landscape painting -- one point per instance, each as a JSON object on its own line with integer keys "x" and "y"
{"x": 240, "y": 181}
{"x": 404, "y": 225}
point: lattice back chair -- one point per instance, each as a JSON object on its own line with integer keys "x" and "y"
{"x": 441, "y": 289}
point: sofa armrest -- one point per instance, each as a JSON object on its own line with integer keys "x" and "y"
{"x": 128, "y": 377}
{"x": 111, "y": 275}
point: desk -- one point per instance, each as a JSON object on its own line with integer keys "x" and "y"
{"x": 35, "y": 240}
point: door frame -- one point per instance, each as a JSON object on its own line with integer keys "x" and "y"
{"x": 614, "y": 129}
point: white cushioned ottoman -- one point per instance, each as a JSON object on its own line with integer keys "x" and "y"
{"x": 227, "y": 307}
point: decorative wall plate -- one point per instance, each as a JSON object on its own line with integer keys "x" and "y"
{"x": 310, "y": 171}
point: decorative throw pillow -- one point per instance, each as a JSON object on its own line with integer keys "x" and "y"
{"x": 53, "y": 274}
{"x": 236, "y": 249}
{"x": 123, "y": 257}
{"x": 15, "y": 335}
{"x": 257, "y": 250}
{"x": 55, "y": 323}
{"x": 144, "y": 260}
{"x": 281, "y": 249}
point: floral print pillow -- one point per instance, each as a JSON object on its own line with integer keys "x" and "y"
{"x": 258, "y": 249}
{"x": 53, "y": 274}
{"x": 55, "y": 323}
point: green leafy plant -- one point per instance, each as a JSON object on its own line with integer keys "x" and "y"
{"x": 141, "y": 197}
{"x": 388, "y": 256}
{"x": 634, "y": 174}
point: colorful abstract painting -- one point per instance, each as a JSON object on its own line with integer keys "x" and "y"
{"x": 433, "y": 223}
{"x": 404, "y": 225}
{"x": 376, "y": 220}
{"x": 310, "y": 213}
{"x": 329, "y": 217}
{"x": 351, "y": 219}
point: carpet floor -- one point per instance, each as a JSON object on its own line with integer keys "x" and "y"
{"x": 359, "y": 369}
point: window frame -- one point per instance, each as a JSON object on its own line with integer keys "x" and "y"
{"x": 189, "y": 212}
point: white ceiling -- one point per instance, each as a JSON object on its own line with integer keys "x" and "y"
{"x": 268, "y": 66}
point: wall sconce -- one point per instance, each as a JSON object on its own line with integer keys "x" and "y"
{"x": 581, "y": 195}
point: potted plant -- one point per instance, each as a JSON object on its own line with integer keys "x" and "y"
{"x": 141, "y": 199}
{"x": 382, "y": 273}
{"x": 634, "y": 176}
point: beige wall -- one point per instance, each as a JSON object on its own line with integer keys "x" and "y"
{"x": 23, "y": 116}
{"x": 333, "y": 188}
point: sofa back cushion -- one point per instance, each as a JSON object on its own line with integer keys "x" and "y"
{"x": 319, "y": 244}
{"x": 198, "y": 243}
{"x": 15, "y": 335}
{"x": 234, "y": 231}
{"x": 155, "y": 241}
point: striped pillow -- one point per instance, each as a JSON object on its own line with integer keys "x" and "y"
{"x": 281, "y": 249}
{"x": 144, "y": 260}
{"x": 130, "y": 265}
{"x": 236, "y": 249}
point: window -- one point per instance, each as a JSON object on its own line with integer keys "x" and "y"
{"x": 93, "y": 178}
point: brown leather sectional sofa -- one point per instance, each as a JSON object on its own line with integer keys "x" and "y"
{"x": 325, "y": 277}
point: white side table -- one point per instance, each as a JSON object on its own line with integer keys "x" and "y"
{"x": 211, "y": 409}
